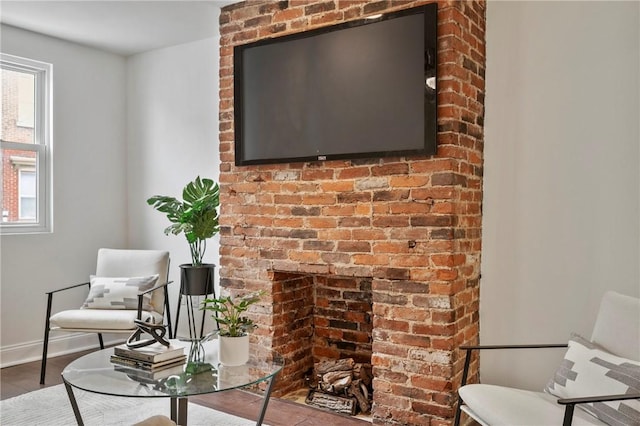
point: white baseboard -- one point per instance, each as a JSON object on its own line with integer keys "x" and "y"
{"x": 63, "y": 344}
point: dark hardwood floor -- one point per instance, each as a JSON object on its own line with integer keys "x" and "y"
{"x": 24, "y": 378}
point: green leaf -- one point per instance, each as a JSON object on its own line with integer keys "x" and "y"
{"x": 228, "y": 312}
{"x": 196, "y": 216}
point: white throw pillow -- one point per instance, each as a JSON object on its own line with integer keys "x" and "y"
{"x": 589, "y": 370}
{"x": 119, "y": 292}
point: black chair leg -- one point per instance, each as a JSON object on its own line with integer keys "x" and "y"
{"x": 465, "y": 373}
{"x": 175, "y": 332}
{"x": 568, "y": 415}
{"x": 45, "y": 343}
{"x": 456, "y": 422}
{"x": 101, "y": 342}
{"x": 43, "y": 365}
{"x": 169, "y": 328}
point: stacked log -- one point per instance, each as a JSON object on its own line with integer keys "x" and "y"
{"x": 343, "y": 386}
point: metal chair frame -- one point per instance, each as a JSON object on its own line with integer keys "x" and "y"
{"x": 569, "y": 403}
{"x": 47, "y": 327}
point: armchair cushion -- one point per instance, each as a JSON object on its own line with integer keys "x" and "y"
{"x": 119, "y": 293}
{"x": 617, "y": 328}
{"x": 101, "y": 319}
{"x": 589, "y": 370}
{"x": 135, "y": 263}
{"x": 500, "y": 405}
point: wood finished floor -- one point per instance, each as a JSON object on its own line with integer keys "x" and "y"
{"x": 25, "y": 378}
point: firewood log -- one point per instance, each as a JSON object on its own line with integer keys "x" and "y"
{"x": 335, "y": 381}
{"x": 335, "y": 403}
{"x": 345, "y": 364}
{"x": 334, "y": 376}
{"x": 365, "y": 390}
{"x": 363, "y": 402}
{"x": 363, "y": 372}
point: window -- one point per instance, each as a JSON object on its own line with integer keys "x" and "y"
{"x": 27, "y": 191}
{"x": 25, "y": 142}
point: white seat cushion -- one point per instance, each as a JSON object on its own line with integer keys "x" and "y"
{"x": 498, "y": 405}
{"x": 158, "y": 420}
{"x": 101, "y": 319}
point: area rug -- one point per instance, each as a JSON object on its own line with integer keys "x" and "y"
{"x": 51, "y": 407}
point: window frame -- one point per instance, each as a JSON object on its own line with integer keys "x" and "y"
{"x": 42, "y": 144}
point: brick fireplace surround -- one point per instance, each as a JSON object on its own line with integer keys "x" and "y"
{"x": 376, "y": 259}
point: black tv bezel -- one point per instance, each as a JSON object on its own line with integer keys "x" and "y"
{"x": 430, "y": 12}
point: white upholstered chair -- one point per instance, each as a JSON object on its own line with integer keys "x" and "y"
{"x": 128, "y": 285}
{"x": 600, "y": 376}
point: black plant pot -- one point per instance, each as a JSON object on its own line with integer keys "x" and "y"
{"x": 196, "y": 280}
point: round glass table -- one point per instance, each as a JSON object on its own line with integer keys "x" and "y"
{"x": 96, "y": 373}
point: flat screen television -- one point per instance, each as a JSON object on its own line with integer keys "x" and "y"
{"x": 359, "y": 89}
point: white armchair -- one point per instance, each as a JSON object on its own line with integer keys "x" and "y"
{"x": 128, "y": 285}
{"x": 600, "y": 376}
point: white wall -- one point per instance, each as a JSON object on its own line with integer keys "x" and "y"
{"x": 562, "y": 183}
{"x": 89, "y": 185}
{"x": 173, "y": 137}
{"x": 124, "y": 130}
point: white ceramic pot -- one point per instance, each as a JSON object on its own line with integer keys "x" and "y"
{"x": 234, "y": 350}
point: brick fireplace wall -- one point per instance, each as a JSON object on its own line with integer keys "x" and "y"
{"x": 398, "y": 236}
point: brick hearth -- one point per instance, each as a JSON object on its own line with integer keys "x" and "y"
{"x": 374, "y": 258}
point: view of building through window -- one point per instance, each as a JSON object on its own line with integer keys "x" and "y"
{"x": 18, "y": 166}
{"x": 24, "y": 144}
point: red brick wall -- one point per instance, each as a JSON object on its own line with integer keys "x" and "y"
{"x": 342, "y": 318}
{"x": 292, "y": 326}
{"x": 412, "y": 226}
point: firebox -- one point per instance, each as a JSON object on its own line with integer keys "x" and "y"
{"x": 318, "y": 318}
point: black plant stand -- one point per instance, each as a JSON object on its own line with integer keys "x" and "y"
{"x": 194, "y": 281}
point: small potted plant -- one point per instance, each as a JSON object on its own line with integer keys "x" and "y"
{"x": 233, "y": 325}
{"x": 197, "y": 217}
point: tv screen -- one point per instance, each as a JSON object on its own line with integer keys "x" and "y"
{"x": 360, "y": 89}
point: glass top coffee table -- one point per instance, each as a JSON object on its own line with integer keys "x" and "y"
{"x": 95, "y": 373}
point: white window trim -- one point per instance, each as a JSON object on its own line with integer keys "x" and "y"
{"x": 42, "y": 146}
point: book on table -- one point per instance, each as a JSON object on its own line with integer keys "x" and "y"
{"x": 141, "y": 375}
{"x": 152, "y": 353}
{"x": 146, "y": 365}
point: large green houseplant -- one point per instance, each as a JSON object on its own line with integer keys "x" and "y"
{"x": 196, "y": 216}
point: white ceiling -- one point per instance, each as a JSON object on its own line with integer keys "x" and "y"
{"x": 124, "y": 27}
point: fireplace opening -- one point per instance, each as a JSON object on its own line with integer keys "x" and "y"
{"x": 323, "y": 323}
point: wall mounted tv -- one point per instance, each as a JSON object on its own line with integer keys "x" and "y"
{"x": 359, "y": 89}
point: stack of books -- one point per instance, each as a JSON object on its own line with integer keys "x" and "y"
{"x": 154, "y": 361}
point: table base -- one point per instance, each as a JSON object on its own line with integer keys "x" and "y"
{"x": 178, "y": 405}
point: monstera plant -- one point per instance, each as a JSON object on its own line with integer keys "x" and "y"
{"x": 196, "y": 215}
